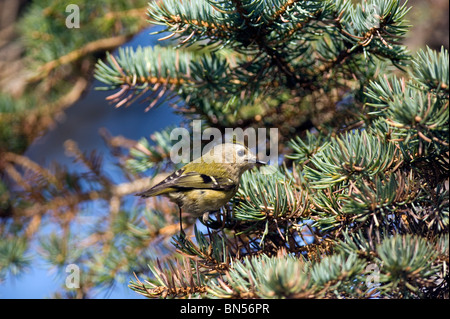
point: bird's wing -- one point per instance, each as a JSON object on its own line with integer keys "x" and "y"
{"x": 190, "y": 180}
{"x": 196, "y": 180}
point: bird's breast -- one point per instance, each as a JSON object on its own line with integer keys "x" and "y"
{"x": 199, "y": 201}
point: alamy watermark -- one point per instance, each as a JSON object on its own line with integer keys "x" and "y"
{"x": 73, "y": 277}
{"x": 73, "y": 19}
{"x": 373, "y": 16}
{"x": 373, "y": 276}
{"x": 188, "y": 145}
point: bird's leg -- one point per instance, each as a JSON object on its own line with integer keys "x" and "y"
{"x": 211, "y": 223}
{"x": 181, "y": 222}
{"x": 205, "y": 217}
{"x": 209, "y": 233}
{"x": 221, "y": 219}
{"x": 224, "y": 217}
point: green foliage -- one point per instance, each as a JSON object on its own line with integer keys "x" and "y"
{"x": 12, "y": 118}
{"x": 274, "y": 276}
{"x": 357, "y": 208}
{"x": 57, "y": 59}
{"x": 355, "y": 155}
{"x": 45, "y": 22}
{"x": 56, "y": 250}
{"x": 144, "y": 155}
{"x": 262, "y": 196}
{"x": 356, "y": 183}
{"x": 406, "y": 262}
{"x": 431, "y": 70}
{"x": 14, "y": 257}
{"x": 304, "y": 149}
{"x": 313, "y": 38}
{"x": 415, "y": 114}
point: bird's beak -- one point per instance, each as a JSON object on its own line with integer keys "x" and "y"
{"x": 260, "y": 163}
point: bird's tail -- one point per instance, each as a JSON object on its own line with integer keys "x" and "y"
{"x": 155, "y": 191}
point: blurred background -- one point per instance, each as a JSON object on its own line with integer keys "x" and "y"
{"x": 81, "y": 112}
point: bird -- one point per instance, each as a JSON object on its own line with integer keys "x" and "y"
{"x": 207, "y": 183}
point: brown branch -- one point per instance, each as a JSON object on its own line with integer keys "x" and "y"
{"x": 137, "y": 12}
{"x": 26, "y": 163}
{"x": 91, "y": 47}
{"x": 69, "y": 98}
{"x": 363, "y": 41}
{"x": 130, "y": 80}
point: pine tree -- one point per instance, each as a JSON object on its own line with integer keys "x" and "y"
{"x": 363, "y": 192}
{"x": 359, "y": 206}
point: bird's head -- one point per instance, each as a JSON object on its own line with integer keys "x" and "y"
{"x": 237, "y": 155}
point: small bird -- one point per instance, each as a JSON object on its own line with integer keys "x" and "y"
{"x": 208, "y": 183}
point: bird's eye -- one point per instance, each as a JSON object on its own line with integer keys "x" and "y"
{"x": 241, "y": 153}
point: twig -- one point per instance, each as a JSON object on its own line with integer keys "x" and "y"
{"x": 91, "y": 47}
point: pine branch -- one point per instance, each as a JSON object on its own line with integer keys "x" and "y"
{"x": 190, "y": 20}
{"x": 195, "y": 19}
{"x": 353, "y": 154}
{"x": 406, "y": 261}
{"x": 180, "y": 281}
{"x": 360, "y": 209}
{"x": 143, "y": 69}
{"x": 431, "y": 69}
{"x": 14, "y": 256}
{"x": 89, "y": 48}
{"x": 211, "y": 255}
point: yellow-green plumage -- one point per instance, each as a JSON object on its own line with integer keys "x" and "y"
{"x": 208, "y": 183}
